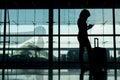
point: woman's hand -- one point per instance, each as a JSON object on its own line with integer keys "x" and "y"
{"x": 90, "y": 26}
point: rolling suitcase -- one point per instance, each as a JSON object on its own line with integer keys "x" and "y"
{"x": 99, "y": 60}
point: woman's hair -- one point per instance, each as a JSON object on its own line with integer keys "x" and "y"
{"x": 84, "y": 13}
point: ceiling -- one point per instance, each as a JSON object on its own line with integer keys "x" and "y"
{"x": 63, "y": 4}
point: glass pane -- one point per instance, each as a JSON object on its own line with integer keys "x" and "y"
{"x": 101, "y": 18}
{"x": 69, "y": 42}
{"x": 69, "y": 48}
{"x": 28, "y": 30}
{"x": 25, "y": 21}
{"x": 118, "y": 48}
{"x": 104, "y": 41}
{"x": 55, "y": 22}
{"x": 28, "y": 47}
{"x": 117, "y": 20}
{"x": 29, "y": 16}
{"x": 70, "y": 74}
{"x": 68, "y": 20}
{"x": 26, "y": 74}
{"x": 1, "y": 16}
{"x": 111, "y": 74}
{"x": 55, "y": 49}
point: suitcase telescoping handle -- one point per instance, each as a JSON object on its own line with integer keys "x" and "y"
{"x": 96, "y": 42}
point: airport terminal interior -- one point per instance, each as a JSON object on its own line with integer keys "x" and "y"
{"x": 38, "y": 39}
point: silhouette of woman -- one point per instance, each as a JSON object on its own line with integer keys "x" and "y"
{"x": 83, "y": 39}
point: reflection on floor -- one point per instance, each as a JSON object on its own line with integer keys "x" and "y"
{"x": 65, "y": 74}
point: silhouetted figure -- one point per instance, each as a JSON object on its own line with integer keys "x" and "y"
{"x": 84, "y": 41}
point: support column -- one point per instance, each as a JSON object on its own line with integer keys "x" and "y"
{"x": 50, "y": 76}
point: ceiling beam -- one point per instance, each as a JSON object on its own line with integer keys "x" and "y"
{"x": 63, "y": 4}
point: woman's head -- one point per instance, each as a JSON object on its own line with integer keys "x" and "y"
{"x": 84, "y": 13}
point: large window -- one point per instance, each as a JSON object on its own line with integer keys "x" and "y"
{"x": 27, "y": 42}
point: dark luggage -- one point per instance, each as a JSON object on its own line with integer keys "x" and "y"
{"x": 99, "y": 58}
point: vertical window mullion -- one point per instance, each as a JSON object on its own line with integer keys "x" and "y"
{"x": 114, "y": 42}
{"x": 50, "y": 77}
